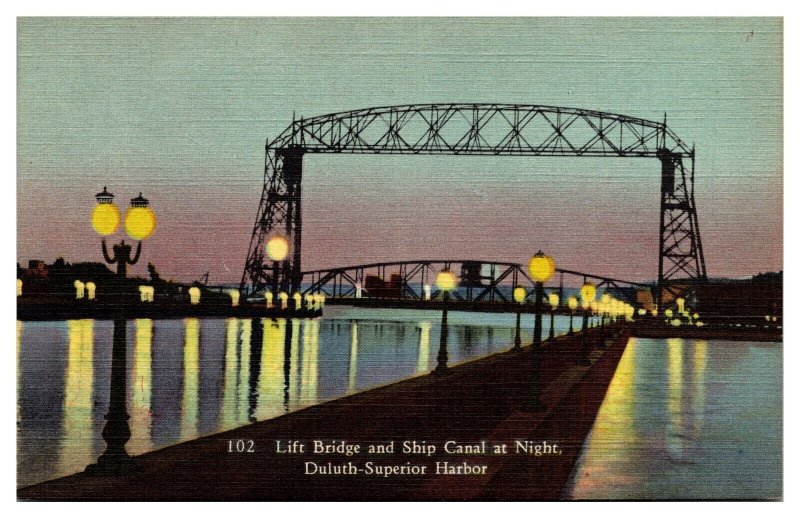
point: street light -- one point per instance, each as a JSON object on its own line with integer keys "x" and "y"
{"x": 553, "y": 299}
{"x": 588, "y": 293}
{"x": 277, "y": 249}
{"x": 519, "y": 297}
{"x": 140, "y": 223}
{"x": 446, "y": 281}
{"x": 541, "y": 268}
{"x": 572, "y": 303}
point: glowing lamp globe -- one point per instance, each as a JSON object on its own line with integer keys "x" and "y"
{"x": 553, "y": 300}
{"x": 140, "y": 222}
{"x": 105, "y": 218}
{"x": 588, "y": 292}
{"x": 595, "y": 306}
{"x": 541, "y": 267}
{"x": 520, "y": 294}
{"x": 585, "y": 304}
{"x": 668, "y": 313}
{"x": 277, "y": 248}
{"x": 446, "y": 280}
{"x": 642, "y": 312}
{"x": 572, "y": 302}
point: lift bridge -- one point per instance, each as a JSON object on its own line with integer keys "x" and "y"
{"x": 467, "y": 129}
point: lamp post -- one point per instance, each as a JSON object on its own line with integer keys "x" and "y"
{"x": 541, "y": 268}
{"x": 519, "y": 298}
{"x": 572, "y": 303}
{"x": 588, "y": 293}
{"x": 140, "y": 223}
{"x": 553, "y": 299}
{"x": 277, "y": 249}
{"x": 446, "y": 281}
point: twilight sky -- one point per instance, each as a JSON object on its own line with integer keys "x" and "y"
{"x": 180, "y": 109}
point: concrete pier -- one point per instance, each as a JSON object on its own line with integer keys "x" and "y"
{"x": 477, "y": 405}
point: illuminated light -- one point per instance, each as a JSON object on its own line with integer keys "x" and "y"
{"x": 541, "y": 267}
{"x": 446, "y": 280}
{"x": 143, "y": 293}
{"x": 588, "y": 293}
{"x": 309, "y": 300}
{"x": 605, "y": 298}
{"x": 105, "y": 218}
{"x": 699, "y": 324}
{"x": 585, "y": 304}
{"x": 19, "y": 287}
{"x": 553, "y": 299}
{"x": 668, "y": 313}
{"x": 298, "y": 301}
{"x": 194, "y": 295}
{"x": 572, "y": 302}
{"x": 234, "y": 294}
{"x": 768, "y": 318}
{"x": 277, "y": 248}
{"x": 91, "y": 289}
{"x": 359, "y": 289}
{"x": 676, "y": 322}
{"x": 268, "y": 296}
{"x": 426, "y": 289}
{"x": 140, "y": 222}
{"x": 695, "y": 316}
{"x": 642, "y": 312}
{"x": 317, "y": 300}
{"x": 519, "y": 294}
{"x": 654, "y": 312}
{"x": 594, "y": 305}
{"x": 79, "y": 289}
{"x": 680, "y": 301}
{"x": 284, "y": 298}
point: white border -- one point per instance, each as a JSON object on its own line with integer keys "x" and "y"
{"x": 405, "y": 8}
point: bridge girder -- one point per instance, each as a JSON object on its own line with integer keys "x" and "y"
{"x": 471, "y": 129}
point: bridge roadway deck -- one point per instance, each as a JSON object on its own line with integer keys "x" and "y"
{"x": 478, "y": 400}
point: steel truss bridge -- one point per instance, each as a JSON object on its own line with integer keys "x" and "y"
{"x": 472, "y": 129}
{"x": 480, "y": 281}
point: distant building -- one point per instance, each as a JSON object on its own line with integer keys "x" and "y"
{"x": 37, "y": 269}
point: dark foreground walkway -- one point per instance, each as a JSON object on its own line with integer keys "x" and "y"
{"x": 474, "y": 402}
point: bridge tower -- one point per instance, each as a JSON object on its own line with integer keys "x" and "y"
{"x": 680, "y": 247}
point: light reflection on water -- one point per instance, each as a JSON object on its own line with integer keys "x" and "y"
{"x": 194, "y": 377}
{"x": 687, "y": 419}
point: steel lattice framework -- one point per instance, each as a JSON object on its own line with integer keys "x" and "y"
{"x": 473, "y": 129}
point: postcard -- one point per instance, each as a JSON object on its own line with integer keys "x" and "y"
{"x": 399, "y": 259}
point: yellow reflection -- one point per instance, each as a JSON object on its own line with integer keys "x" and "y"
{"x": 142, "y": 382}
{"x": 19, "y": 372}
{"x": 351, "y": 382}
{"x": 308, "y": 370}
{"x": 270, "y": 379}
{"x": 424, "y": 347}
{"x": 229, "y": 414}
{"x": 294, "y": 385}
{"x": 699, "y": 397}
{"x": 191, "y": 378}
{"x": 77, "y": 445}
{"x": 675, "y": 430}
{"x": 243, "y": 382}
